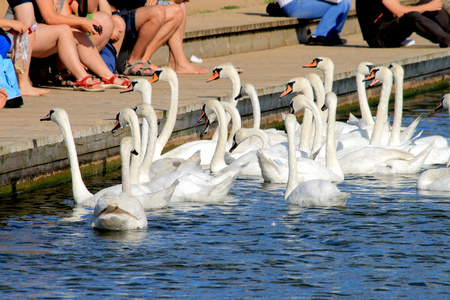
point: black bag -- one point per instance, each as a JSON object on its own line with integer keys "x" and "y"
{"x": 274, "y": 10}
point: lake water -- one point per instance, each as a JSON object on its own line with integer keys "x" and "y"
{"x": 389, "y": 242}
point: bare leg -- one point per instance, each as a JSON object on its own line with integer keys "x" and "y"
{"x": 25, "y": 13}
{"x": 100, "y": 41}
{"x": 90, "y": 57}
{"x": 149, "y": 21}
{"x": 59, "y": 39}
{"x": 118, "y": 33}
{"x": 174, "y": 17}
{"x": 177, "y": 59}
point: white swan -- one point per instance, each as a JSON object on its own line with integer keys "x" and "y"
{"x": 169, "y": 75}
{"x": 327, "y": 66}
{"x": 274, "y": 166}
{"x": 312, "y": 193}
{"x": 226, "y": 71}
{"x": 121, "y": 211}
{"x": 374, "y": 158}
{"x": 218, "y": 164}
{"x": 80, "y": 193}
{"x": 397, "y": 137}
{"x": 275, "y": 136}
{"x": 302, "y": 85}
{"x": 444, "y": 103}
{"x": 435, "y": 179}
{"x": 143, "y": 87}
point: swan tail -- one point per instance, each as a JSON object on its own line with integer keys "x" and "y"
{"x": 407, "y": 134}
{"x": 268, "y": 168}
{"x": 161, "y": 198}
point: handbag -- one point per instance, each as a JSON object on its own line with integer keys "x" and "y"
{"x": 8, "y": 81}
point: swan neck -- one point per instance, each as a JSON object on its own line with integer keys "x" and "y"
{"x": 292, "y": 161}
{"x": 80, "y": 192}
{"x": 398, "y": 110}
{"x": 218, "y": 160}
{"x": 332, "y": 161}
{"x": 364, "y": 107}
{"x": 256, "y": 109}
{"x": 150, "y": 117}
{"x": 235, "y": 119}
{"x": 305, "y": 138}
{"x": 382, "y": 110}
{"x": 171, "y": 118}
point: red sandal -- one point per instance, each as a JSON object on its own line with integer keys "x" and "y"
{"x": 82, "y": 85}
{"x": 109, "y": 83}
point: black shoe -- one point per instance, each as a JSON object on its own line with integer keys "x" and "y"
{"x": 335, "y": 40}
{"x": 316, "y": 41}
{"x": 14, "y": 102}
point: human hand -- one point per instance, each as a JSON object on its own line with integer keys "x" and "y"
{"x": 151, "y": 2}
{"x": 91, "y": 27}
{"x": 117, "y": 33}
{"x": 17, "y": 27}
{"x": 434, "y": 5}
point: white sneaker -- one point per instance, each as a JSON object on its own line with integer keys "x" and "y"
{"x": 407, "y": 43}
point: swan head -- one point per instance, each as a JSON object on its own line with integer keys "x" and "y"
{"x": 246, "y": 89}
{"x": 55, "y": 114}
{"x": 364, "y": 68}
{"x": 164, "y": 74}
{"x": 140, "y": 85}
{"x": 299, "y": 102}
{"x": 396, "y": 69}
{"x": 205, "y": 117}
{"x": 125, "y": 117}
{"x": 226, "y": 70}
{"x": 322, "y": 63}
{"x": 379, "y": 74}
{"x": 443, "y": 103}
{"x": 297, "y": 85}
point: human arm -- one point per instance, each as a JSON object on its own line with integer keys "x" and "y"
{"x": 104, "y": 6}
{"x": 15, "y": 27}
{"x": 399, "y": 10}
{"x": 65, "y": 17}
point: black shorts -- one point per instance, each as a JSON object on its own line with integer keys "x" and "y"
{"x": 14, "y": 3}
{"x": 131, "y": 34}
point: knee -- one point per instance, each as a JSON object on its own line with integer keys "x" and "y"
{"x": 347, "y": 4}
{"x": 119, "y": 23}
{"x": 159, "y": 15}
{"x": 106, "y": 21}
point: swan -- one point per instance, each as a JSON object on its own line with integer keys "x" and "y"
{"x": 150, "y": 169}
{"x": 444, "y": 103}
{"x": 274, "y": 166}
{"x": 81, "y": 194}
{"x": 397, "y": 137}
{"x": 302, "y": 85}
{"x": 435, "y": 179}
{"x": 226, "y": 71}
{"x": 374, "y": 158}
{"x": 169, "y": 75}
{"x": 327, "y": 66}
{"x": 311, "y": 193}
{"x": 362, "y": 71}
{"x": 121, "y": 211}
{"x": 275, "y": 136}
{"x": 144, "y": 87}
{"x": 218, "y": 164}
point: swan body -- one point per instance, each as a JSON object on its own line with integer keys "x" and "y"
{"x": 435, "y": 179}
{"x": 121, "y": 211}
{"x": 312, "y": 193}
{"x": 275, "y": 167}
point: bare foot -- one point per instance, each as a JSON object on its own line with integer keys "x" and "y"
{"x": 189, "y": 69}
{"x": 3, "y": 97}
{"x": 32, "y": 91}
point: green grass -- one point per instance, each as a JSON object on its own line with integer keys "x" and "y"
{"x": 230, "y": 7}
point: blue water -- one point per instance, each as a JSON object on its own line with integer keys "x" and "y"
{"x": 389, "y": 242}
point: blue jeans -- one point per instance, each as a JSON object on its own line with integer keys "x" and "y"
{"x": 333, "y": 15}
